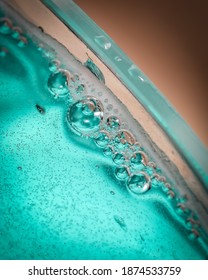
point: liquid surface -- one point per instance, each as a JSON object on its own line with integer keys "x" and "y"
{"x": 60, "y": 196}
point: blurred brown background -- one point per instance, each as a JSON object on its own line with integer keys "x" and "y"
{"x": 168, "y": 41}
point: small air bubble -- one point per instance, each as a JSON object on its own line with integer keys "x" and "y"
{"x": 5, "y": 26}
{"x": 113, "y": 123}
{"x": 193, "y": 235}
{"x": 136, "y": 159}
{"x": 54, "y": 65}
{"x": 108, "y": 151}
{"x": 121, "y": 173}
{"x": 119, "y": 158}
{"x": 109, "y": 107}
{"x": 139, "y": 183}
{"x": 16, "y": 32}
{"x": 22, "y": 42}
{"x": 123, "y": 139}
{"x": 80, "y": 89}
{"x": 3, "y": 51}
{"x": 58, "y": 83}
{"x": 102, "y": 139}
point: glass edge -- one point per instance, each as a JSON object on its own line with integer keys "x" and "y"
{"x": 183, "y": 137}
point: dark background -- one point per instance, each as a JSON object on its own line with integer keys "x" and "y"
{"x": 168, "y": 41}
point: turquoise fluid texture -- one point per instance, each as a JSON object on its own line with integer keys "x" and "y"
{"x": 59, "y": 197}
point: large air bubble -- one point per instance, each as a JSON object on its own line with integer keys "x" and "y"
{"x": 85, "y": 116}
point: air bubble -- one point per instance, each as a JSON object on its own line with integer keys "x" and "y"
{"x": 171, "y": 194}
{"x": 113, "y": 122}
{"x": 182, "y": 209}
{"x": 3, "y": 51}
{"x": 103, "y": 42}
{"x": 136, "y": 160}
{"x": 193, "y": 235}
{"x": 119, "y": 158}
{"x": 40, "y": 47}
{"x": 152, "y": 164}
{"x": 165, "y": 187}
{"x": 136, "y": 73}
{"x": 121, "y": 173}
{"x": 108, "y": 151}
{"x": 22, "y": 42}
{"x": 139, "y": 183}
{"x": 109, "y": 107}
{"x": 192, "y": 223}
{"x": 76, "y": 77}
{"x": 124, "y": 139}
{"x": 58, "y": 83}
{"x": 102, "y": 139}
{"x": 80, "y": 89}
{"x": 16, "y": 32}
{"x": 149, "y": 170}
{"x": 136, "y": 147}
{"x": 5, "y": 26}
{"x": 154, "y": 182}
{"x": 54, "y": 65}
{"x": 85, "y": 116}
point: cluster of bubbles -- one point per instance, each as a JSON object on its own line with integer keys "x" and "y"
{"x": 85, "y": 117}
{"x": 61, "y": 83}
{"x": 7, "y": 28}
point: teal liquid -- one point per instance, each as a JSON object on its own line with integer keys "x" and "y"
{"x": 65, "y": 194}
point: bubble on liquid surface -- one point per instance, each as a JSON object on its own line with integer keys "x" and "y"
{"x": 80, "y": 89}
{"x": 16, "y": 32}
{"x": 54, "y": 65}
{"x": 123, "y": 139}
{"x": 119, "y": 158}
{"x": 3, "y": 51}
{"x": 22, "y": 42}
{"x": 102, "y": 139}
{"x": 136, "y": 73}
{"x": 5, "y": 26}
{"x": 136, "y": 159}
{"x": 113, "y": 122}
{"x": 194, "y": 234}
{"x": 58, "y": 83}
{"x": 121, "y": 173}
{"x": 85, "y": 116}
{"x": 139, "y": 183}
{"x": 103, "y": 42}
{"x": 108, "y": 151}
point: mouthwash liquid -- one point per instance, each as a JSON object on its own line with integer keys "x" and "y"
{"x": 77, "y": 174}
